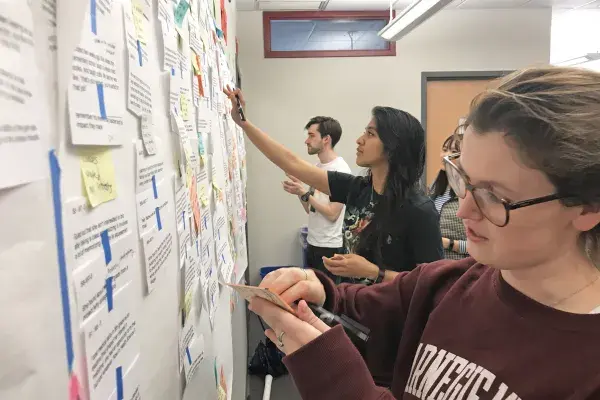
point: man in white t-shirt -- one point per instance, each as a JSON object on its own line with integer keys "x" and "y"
{"x": 325, "y": 219}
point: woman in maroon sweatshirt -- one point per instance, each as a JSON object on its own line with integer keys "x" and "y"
{"x": 520, "y": 319}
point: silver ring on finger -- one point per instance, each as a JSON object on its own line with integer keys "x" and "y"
{"x": 280, "y": 339}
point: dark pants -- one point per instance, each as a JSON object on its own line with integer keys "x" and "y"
{"x": 314, "y": 258}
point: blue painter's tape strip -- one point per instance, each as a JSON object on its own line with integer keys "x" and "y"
{"x": 189, "y": 356}
{"x": 93, "y": 16}
{"x": 101, "y": 104}
{"x": 106, "y": 246}
{"x": 183, "y": 218}
{"x": 62, "y": 264}
{"x": 154, "y": 188}
{"x": 119, "y": 383}
{"x": 109, "y": 292}
{"x": 139, "y": 49}
{"x": 158, "y": 221}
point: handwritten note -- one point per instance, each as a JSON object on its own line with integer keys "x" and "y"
{"x": 138, "y": 21}
{"x": 249, "y": 292}
{"x": 184, "y": 104}
{"x": 148, "y": 135}
{"x": 98, "y": 172}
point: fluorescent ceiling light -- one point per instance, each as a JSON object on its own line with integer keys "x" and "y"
{"x": 579, "y": 60}
{"x": 413, "y": 16}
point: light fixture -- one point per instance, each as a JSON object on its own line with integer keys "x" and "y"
{"x": 579, "y": 60}
{"x": 414, "y": 15}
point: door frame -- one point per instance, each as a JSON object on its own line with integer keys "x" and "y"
{"x": 431, "y": 76}
{"x": 452, "y": 76}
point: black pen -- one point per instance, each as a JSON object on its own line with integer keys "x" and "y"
{"x": 240, "y": 109}
{"x": 352, "y": 328}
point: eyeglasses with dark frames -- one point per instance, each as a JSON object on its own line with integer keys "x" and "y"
{"x": 494, "y": 208}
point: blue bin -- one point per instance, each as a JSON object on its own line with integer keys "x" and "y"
{"x": 265, "y": 270}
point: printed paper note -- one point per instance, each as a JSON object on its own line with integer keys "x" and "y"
{"x": 98, "y": 172}
{"x": 182, "y": 217}
{"x": 111, "y": 345}
{"x": 149, "y": 203}
{"x": 157, "y": 244}
{"x": 170, "y": 52}
{"x": 95, "y": 92}
{"x": 116, "y": 270}
{"x": 84, "y": 226}
{"x": 191, "y": 348}
{"x": 23, "y": 155}
{"x": 150, "y": 168}
{"x": 131, "y": 383}
{"x": 213, "y": 299}
{"x": 139, "y": 89}
{"x": 191, "y": 279}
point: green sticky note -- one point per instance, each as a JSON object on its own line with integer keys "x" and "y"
{"x": 180, "y": 11}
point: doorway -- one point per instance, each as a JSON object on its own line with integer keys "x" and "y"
{"x": 445, "y": 101}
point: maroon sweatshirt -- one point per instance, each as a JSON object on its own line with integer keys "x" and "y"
{"x": 450, "y": 330}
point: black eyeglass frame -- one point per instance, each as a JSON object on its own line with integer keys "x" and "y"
{"x": 508, "y": 205}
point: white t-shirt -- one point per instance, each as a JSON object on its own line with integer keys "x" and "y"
{"x": 321, "y": 231}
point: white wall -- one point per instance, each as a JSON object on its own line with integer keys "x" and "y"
{"x": 282, "y": 94}
{"x": 574, "y": 34}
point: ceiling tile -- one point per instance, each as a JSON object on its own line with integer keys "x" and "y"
{"x": 490, "y": 4}
{"x": 359, "y": 5}
{"x": 508, "y": 4}
{"x": 564, "y": 4}
{"x": 289, "y": 5}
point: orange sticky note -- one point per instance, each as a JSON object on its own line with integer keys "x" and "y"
{"x": 195, "y": 204}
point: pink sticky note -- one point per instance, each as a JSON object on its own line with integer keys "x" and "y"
{"x": 74, "y": 388}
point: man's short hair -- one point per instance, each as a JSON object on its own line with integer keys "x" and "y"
{"x": 327, "y": 126}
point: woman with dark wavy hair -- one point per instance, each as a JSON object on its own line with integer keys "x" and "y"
{"x": 389, "y": 225}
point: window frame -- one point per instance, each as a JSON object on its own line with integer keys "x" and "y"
{"x": 269, "y": 16}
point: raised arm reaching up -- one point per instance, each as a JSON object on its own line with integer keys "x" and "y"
{"x": 276, "y": 152}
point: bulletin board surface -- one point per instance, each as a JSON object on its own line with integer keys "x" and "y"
{"x": 122, "y": 206}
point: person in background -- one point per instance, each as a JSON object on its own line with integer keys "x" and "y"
{"x": 389, "y": 225}
{"x": 325, "y": 218}
{"x": 454, "y": 235}
{"x": 519, "y": 320}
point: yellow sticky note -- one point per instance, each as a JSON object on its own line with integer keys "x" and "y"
{"x": 183, "y": 102}
{"x": 188, "y": 302}
{"x": 138, "y": 21}
{"x": 98, "y": 172}
{"x": 202, "y": 196}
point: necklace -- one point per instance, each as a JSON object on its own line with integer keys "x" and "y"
{"x": 575, "y": 292}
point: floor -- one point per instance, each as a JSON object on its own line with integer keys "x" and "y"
{"x": 283, "y": 388}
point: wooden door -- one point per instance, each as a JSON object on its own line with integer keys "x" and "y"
{"x": 448, "y": 102}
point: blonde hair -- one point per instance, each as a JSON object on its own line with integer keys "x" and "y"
{"x": 552, "y": 116}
